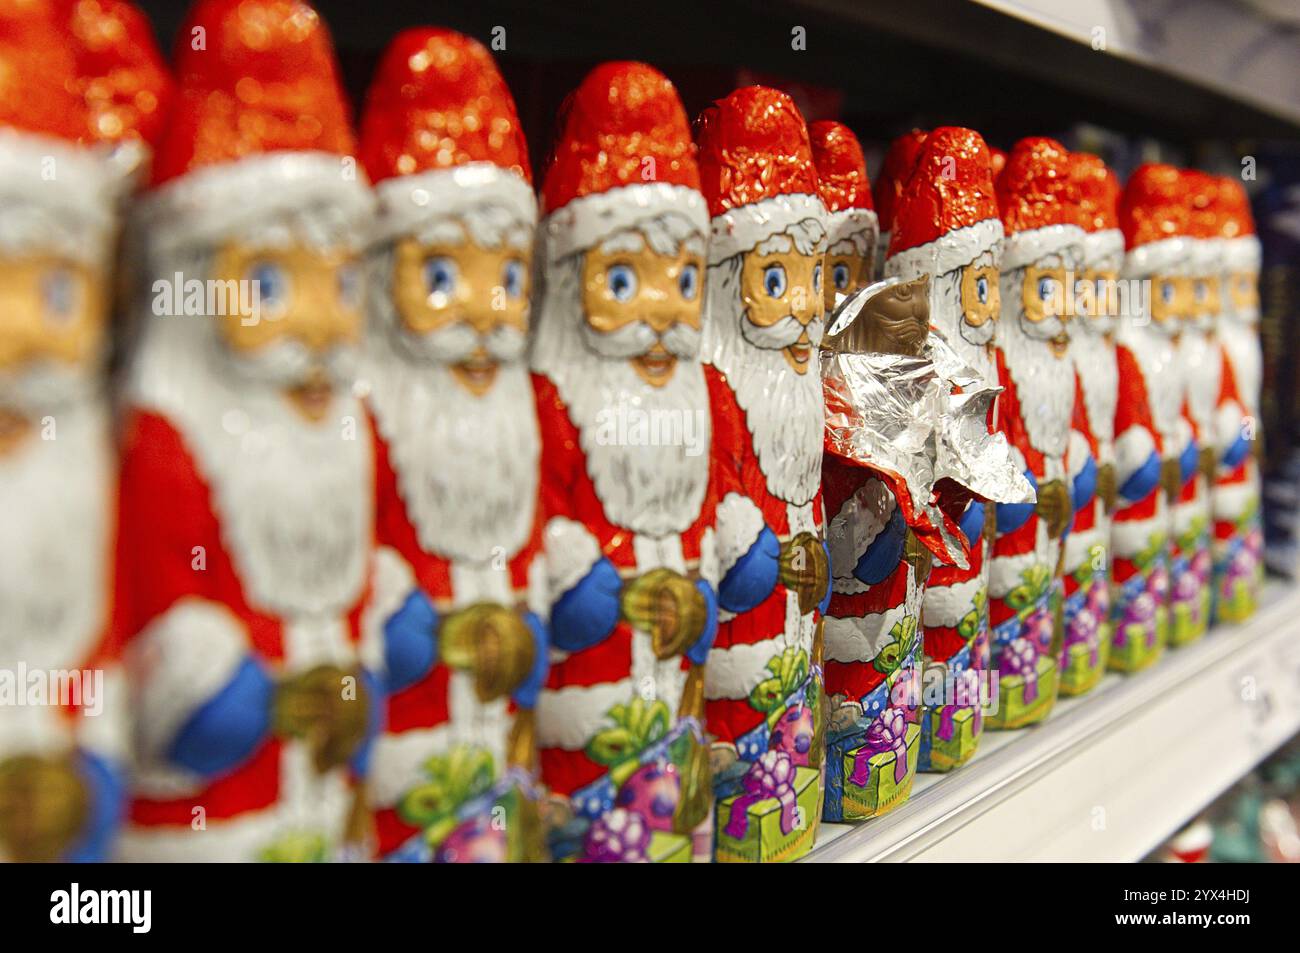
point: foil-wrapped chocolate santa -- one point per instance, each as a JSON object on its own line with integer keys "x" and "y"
{"x": 1199, "y": 366}
{"x": 765, "y": 310}
{"x": 1085, "y": 647}
{"x": 460, "y": 588}
{"x": 947, "y": 226}
{"x": 63, "y": 730}
{"x": 246, "y": 529}
{"x": 1238, "y": 537}
{"x": 878, "y": 567}
{"x": 1039, "y": 203}
{"x": 900, "y": 160}
{"x": 1153, "y": 216}
{"x": 624, "y": 414}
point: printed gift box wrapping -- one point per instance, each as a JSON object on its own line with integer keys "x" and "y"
{"x": 631, "y": 553}
{"x": 459, "y": 591}
{"x": 764, "y": 323}
{"x": 247, "y": 493}
{"x": 1039, "y": 203}
{"x": 70, "y": 107}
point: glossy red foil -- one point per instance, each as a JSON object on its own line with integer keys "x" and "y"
{"x": 950, "y": 187}
{"x": 1233, "y": 210}
{"x": 622, "y": 115}
{"x": 265, "y": 81}
{"x": 1098, "y": 192}
{"x": 37, "y": 69}
{"x": 753, "y": 146}
{"x": 437, "y": 101}
{"x": 1155, "y": 205}
{"x": 841, "y": 167}
{"x": 899, "y": 162}
{"x": 1036, "y": 189}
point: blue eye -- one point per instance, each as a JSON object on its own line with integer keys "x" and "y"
{"x": 350, "y": 286}
{"x": 440, "y": 275}
{"x": 1046, "y": 286}
{"x": 840, "y": 275}
{"x": 622, "y": 282}
{"x": 817, "y": 279}
{"x": 688, "y": 283}
{"x": 982, "y": 289}
{"x": 1167, "y": 292}
{"x": 59, "y": 293}
{"x": 513, "y": 279}
{"x": 774, "y": 281}
{"x": 1202, "y": 292}
{"x": 272, "y": 285}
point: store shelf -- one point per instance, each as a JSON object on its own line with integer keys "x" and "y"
{"x": 1110, "y": 775}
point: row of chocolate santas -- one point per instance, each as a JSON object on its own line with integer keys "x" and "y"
{"x": 309, "y": 658}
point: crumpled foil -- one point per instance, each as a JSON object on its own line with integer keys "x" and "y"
{"x": 900, "y": 414}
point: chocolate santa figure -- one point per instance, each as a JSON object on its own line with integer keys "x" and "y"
{"x": 878, "y": 568}
{"x": 63, "y": 743}
{"x": 1238, "y": 537}
{"x": 765, "y": 310}
{"x": 947, "y": 226}
{"x": 1085, "y": 646}
{"x": 624, "y": 415}
{"x": 900, "y": 160}
{"x": 458, "y": 583}
{"x": 1039, "y": 203}
{"x": 1199, "y": 363}
{"x": 247, "y": 477}
{"x": 1153, "y": 216}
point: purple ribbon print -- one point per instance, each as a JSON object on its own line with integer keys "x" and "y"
{"x": 1020, "y": 657}
{"x": 965, "y": 694}
{"x": 887, "y": 733}
{"x": 771, "y": 776}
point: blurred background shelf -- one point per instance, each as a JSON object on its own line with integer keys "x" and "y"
{"x": 1110, "y": 775}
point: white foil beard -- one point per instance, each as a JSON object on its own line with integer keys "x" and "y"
{"x": 294, "y": 499}
{"x": 48, "y": 389}
{"x": 466, "y": 466}
{"x": 1094, "y": 356}
{"x": 1044, "y": 387}
{"x": 55, "y": 549}
{"x": 946, "y": 314}
{"x": 1202, "y": 373}
{"x": 651, "y": 490}
{"x": 784, "y": 410}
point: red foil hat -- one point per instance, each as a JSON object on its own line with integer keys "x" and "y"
{"x": 264, "y": 80}
{"x": 1038, "y": 198}
{"x": 624, "y": 155}
{"x": 998, "y": 159}
{"x": 120, "y": 73}
{"x": 756, "y": 171}
{"x": 1203, "y": 204}
{"x": 37, "y": 68}
{"x": 1233, "y": 206}
{"x": 437, "y": 101}
{"x": 753, "y": 147}
{"x": 1098, "y": 193}
{"x": 899, "y": 162}
{"x": 1155, "y": 205}
{"x": 622, "y": 124}
{"x": 841, "y": 167}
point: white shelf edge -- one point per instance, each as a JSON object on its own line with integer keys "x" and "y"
{"x": 1108, "y": 776}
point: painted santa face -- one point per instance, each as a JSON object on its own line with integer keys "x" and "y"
{"x": 52, "y": 325}
{"x": 1042, "y": 299}
{"x": 1171, "y": 299}
{"x": 1243, "y": 292}
{"x": 310, "y": 310}
{"x": 845, "y": 272}
{"x": 981, "y": 300}
{"x": 784, "y": 303}
{"x": 1206, "y": 300}
{"x": 633, "y": 301}
{"x": 1097, "y": 299}
{"x": 466, "y": 305}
